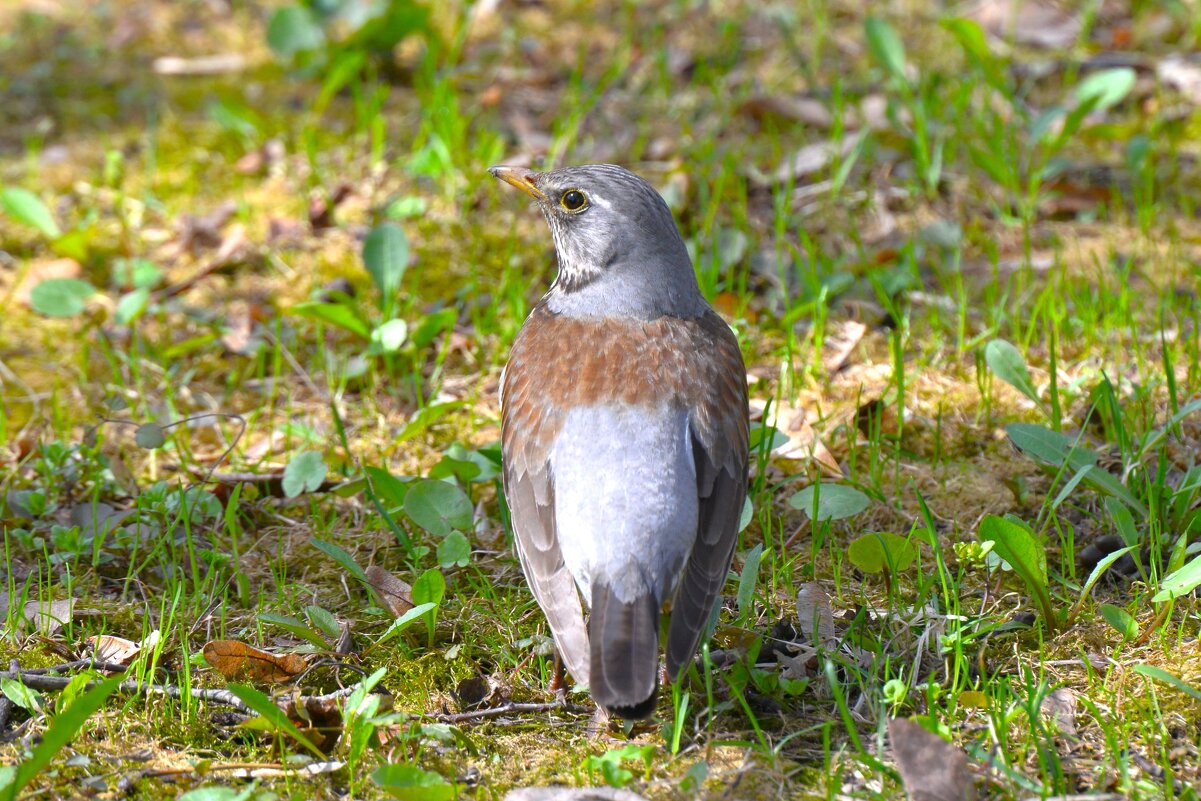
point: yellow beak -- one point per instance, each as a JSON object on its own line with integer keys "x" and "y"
{"x": 521, "y": 178}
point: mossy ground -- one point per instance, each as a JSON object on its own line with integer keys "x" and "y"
{"x": 1104, "y": 291}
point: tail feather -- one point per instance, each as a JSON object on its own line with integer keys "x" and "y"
{"x": 625, "y": 652}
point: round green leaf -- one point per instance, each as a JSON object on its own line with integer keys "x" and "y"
{"x": 833, "y": 502}
{"x": 438, "y": 507}
{"x": 61, "y": 297}
{"x": 454, "y": 550}
{"x": 876, "y": 552}
{"x": 149, "y": 436}
{"x": 390, "y": 336}
{"x": 411, "y": 783}
{"x": 304, "y": 473}
{"x": 1121, "y": 620}
{"x": 293, "y": 29}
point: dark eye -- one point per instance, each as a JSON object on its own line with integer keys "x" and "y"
{"x": 573, "y": 200}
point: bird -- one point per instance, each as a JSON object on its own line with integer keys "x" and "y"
{"x": 624, "y": 437}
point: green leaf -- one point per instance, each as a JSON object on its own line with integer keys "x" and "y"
{"x": 132, "y": 305}
{"x": 61, "y": 297}
{"x": 293, "y": 29}
{"x": 429, "y": 587}
{"x": 454, "y": 550}
{"x": 1105, "y": 88}
{"x": 217, "y": 792}
{"x": 1121, "y": 620}
{"x": 24, "y": 697}
{"x": 336, "y": 314}
{"x": 304, "y": 473}
{"x": 386, "y": 256}
{"x": 1180, "y": 582}
{"x": 295, "y": 627}
{"x": 1006, "y": 361}
{"x": 829, "y": 501}
{"x": 424, "y": 418}
{"x": 342, "y": 558}
{"x": 411, "y": 783}
{"x": 407, "y": 619}
{"x": 389, "y": 489}
{"x": 438, "y": 507}
{"x": 323, "y": 619}
{"x": 886, "y": 47}
{"x": 389, "y": 336}
{"x": 1058, "y": 450}
{"x": 1017, "y": 546}
{"x": 429, "y": 326}
{"x": 748, "y": 514}
{"x": 26, "y": 207}
{"x": 60, "y": 734}
{"x": 1161, "y": 675}
{"x": 880, "y": 551}
{"x": 273, "y": 716}
{"x": 149, "y": 436}
{"x": 1095, "y": 576}
{"x": 747, "y": 581}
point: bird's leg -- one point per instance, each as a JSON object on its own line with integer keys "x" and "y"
{"x": 598, "y": 724}
{"x": 558, "y": 680}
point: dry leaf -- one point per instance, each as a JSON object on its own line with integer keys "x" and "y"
{"x": 111, "y": 649}
{"x": 807, "y": 110}
{"x": 815, "y": 616}
{"x": 1031, "y": 22}
{"x": 196, "y": 233}
{"x": 840, "y": 343}
{"x": 931, "y": 768}
{"x": 322, "y": 208}
{"x": 48, "y": 618}
{"x": 1182, "y": 75}
{"x": 397, "y": 595}
{"x": 808, "y": 160}
{"x": 1059, "y": 707}
{"x": 237, "y": 660}
{"x": 803, "y": 442}
{"x": 572, "y": 794}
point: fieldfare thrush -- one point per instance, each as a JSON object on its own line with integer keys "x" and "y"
{"x": 624, "y": 436}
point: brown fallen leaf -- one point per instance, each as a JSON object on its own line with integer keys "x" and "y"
{"x": 201, "y": 232}
{"x": 1059, "y": 708}
{"x": 931, "y": 768}
{"x": 815, "y": 616}
{"x": 1183, "y": 75}
{"x": 803, "y": 442}
{"x": 808, "y": 160}
{"x": 237, "y": 660}
{"x": 840, "y": 343}
{"x": 396, "y": 594}
{"x": 111, "y": 649}
{"x": 322, "y": 207}
{"x": 807, "y": 110}
{"x": 1038, "y": 23}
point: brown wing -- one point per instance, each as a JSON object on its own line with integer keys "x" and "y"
{"x": 528, "y": 427}
{"x": 719, "y": 429}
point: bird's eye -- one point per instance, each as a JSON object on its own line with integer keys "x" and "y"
{"x": 574, "y": 200}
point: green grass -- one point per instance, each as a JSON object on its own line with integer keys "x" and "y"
{"x": 967, "y": 213}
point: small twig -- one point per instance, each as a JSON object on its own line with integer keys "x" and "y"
{"x": 505, "y": 709}
{"x": 40, "y": 682}
{"x": 105, "y": 667}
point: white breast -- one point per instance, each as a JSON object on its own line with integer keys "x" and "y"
{"x": 625, "y": 497}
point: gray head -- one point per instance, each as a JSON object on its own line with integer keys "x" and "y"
{"x": 619, "y": 251}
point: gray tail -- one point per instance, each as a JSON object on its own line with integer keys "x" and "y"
{"x": 625, "y": 652}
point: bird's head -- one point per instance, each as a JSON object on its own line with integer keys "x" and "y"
{"x": 618, "y": 247}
